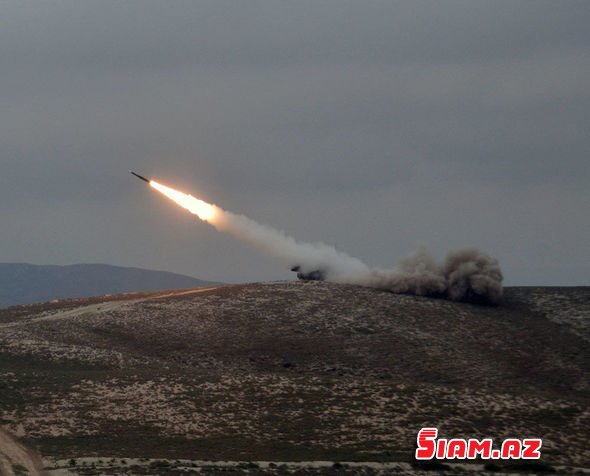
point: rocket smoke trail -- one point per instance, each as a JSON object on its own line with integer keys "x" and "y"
{"x": 465, "y": 275}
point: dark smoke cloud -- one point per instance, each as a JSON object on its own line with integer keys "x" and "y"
{"x": 467, "y": 275}
{"x": 473, "y": 276}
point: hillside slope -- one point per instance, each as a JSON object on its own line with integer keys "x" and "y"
{"x": 22, "y": 283}
{"x": 295, "y": 371}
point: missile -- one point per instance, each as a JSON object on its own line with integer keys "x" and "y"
{"x": 140, "y": 177}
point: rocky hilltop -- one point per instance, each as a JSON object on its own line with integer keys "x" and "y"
{"x": 298, "y": 371}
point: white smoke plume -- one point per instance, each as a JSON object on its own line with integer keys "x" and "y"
{"x": 338, "y": 266}
{"x": 465, "y": 275}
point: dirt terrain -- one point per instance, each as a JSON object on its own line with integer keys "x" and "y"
{"x": 15, "y": 458}
{"x": 308, "y": 372}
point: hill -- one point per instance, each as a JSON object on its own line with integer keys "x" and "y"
{"x": 298, "y": 371}
{"x": 22, "y": 283}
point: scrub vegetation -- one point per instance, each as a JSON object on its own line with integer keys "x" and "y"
{"x": 263, "y": 376}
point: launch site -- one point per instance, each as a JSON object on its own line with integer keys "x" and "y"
{"x": 294, "y": 238}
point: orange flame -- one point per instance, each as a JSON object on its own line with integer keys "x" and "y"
{"x": 205, "y": 211}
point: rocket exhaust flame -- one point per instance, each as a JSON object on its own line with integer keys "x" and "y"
{"x": 466, "y": 275}
{"x": 205, "y": 211}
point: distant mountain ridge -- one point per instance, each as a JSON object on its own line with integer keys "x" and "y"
{"x": 23, "y": 283}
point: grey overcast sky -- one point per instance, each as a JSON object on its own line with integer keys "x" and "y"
{"x": 374, "y": 126}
